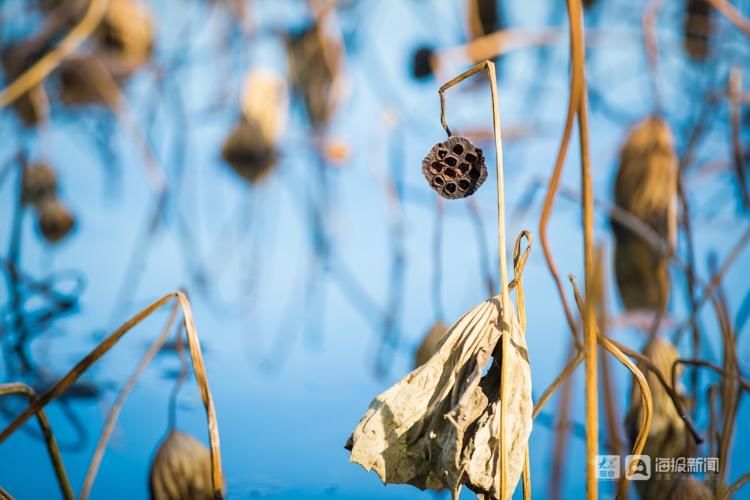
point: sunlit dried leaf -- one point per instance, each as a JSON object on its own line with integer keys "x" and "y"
{"x": 438, "y": 427}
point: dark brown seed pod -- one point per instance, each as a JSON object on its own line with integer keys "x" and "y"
{"x": 54, "y": 218}
{"x": 698, "y": 28}
{"x": 181, "y": 469}
{"x": 39, "y": 182}
{"x": 454, "y": 168}
{"x": 421, "y": 67}
{"x": 78, "y": 80}
{"x": 247, "y": 152}
{"x": 126, "y": 34}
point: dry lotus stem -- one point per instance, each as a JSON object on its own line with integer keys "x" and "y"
{"x": 181, "y": 469}
{"x": 430, "y": 343}
{"x": 39, "y": 183}
{"x": 54, "y": 218}
{"x": 437, "y": 428}
{"x": 646, "y": 187}
{"x": 455, "y": 168}
{"x": 4, "y": 495}
{"x": 698, "y": 28}
{"x": 312, "y": 74}
{"x": 127, "y": 34}
{"x": 689, "y": 488}
{"x": 667, "y": 437}
{"x": 31, "y": 107}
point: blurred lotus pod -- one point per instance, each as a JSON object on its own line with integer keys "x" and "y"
{"x": 265, "y": 102}
{"x": 646, "y": 187}
{"x": 78, "y": 80}
{"x": 181, "y": 469}
{"x": 421, "y": 66}
{"x": 31, "y": 107}
{"x": 39, "y": 183}
{"x": 697, "y": 28}
{"x": 247, "y": 151}
{"x": 668, "y": 436}
{"x": 689, "y": 488}
{"x": 54, "y": 218}
{"x": 126, "y": 35}
{"x": 314, "y": 63}
{"x": 430, "y": 343}
{"x": 437, "y": 428}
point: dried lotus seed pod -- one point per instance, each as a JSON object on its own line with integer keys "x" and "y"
{"x": 430, "y": 343}
{"x": 54, "y": 219}
{"x": 181, "y": 469}
{"x": 248, "y": 153}
{"x": 454, "y": 168}
{"x": 39, "y": 182}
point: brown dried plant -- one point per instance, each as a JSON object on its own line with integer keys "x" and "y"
{"x": 645, "y": 187}
{"x": 668, "y": 437}
{"x": 217, "y": 480}
{"x": 472, "y": 427}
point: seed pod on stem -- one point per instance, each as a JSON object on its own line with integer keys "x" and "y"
{"x": 54, "y": 219}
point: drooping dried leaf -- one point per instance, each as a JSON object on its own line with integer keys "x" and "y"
{"x": 641, "y": 274}
{"x": 646, "y": 187}
{"x": 314, "y": 61}
{"x": 438, "y": 427}
{"x": 668, "y": 436}
{"x": 181, "y": 469}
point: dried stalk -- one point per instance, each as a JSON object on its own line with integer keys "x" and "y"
{"x": 732, "y": 14}
{"x": 44, "y": 66}
{"x": 489, "y": 67}
{"x": 578, "y": 56}
{"x": 49, "y": 437}
{"x": 646, "y": 400}
{"x": 198, "y": 368}
{"x": 114, "y": 412}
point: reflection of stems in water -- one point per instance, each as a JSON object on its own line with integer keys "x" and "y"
{"x": 198, "y": 368}
{"x": 49, "y": 437}
{"x": 114, "y": 412}
{"x": 437, "y": 261}
{"x": 561, "y": 428}
{"x": 392, "y": 179}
